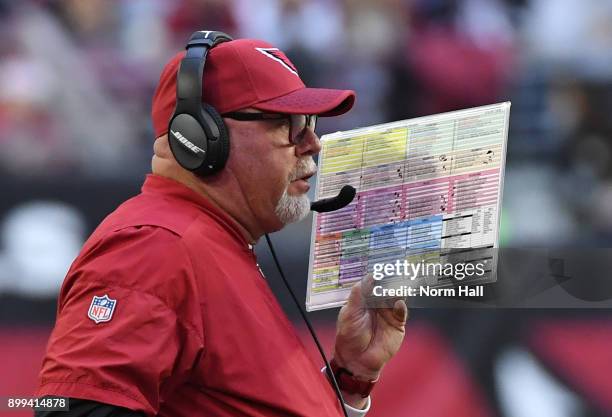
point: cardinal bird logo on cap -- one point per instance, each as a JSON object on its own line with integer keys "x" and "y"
{"x": 278, "y": 56}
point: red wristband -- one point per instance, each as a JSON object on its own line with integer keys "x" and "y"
{"x": 348, "y": 383}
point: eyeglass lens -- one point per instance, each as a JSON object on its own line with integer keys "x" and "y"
{"x": 299, "y": 123}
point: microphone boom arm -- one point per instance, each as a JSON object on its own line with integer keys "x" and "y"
{"x": 343, "y": 199}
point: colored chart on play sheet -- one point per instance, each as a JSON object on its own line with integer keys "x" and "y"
{"x": 423, "y": 185}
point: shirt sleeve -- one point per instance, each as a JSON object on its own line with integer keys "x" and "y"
{"x": 119, "y": 338}
{"x": 356, "y": 412}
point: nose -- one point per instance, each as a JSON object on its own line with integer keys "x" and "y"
{"x": 310, "y": 145}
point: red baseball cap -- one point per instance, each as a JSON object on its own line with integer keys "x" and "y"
{"x": 249, "y": 73}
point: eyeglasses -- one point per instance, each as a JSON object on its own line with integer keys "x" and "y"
{"x": 298, "y": 122}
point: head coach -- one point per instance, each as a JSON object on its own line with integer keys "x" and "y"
{"x": 165, "y": 310}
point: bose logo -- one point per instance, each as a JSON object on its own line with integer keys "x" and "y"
{"x": 193, "y": 148}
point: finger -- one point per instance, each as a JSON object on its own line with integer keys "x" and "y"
{"x": 371, "y": 300}
{"x": 356, "y": 297}
{"x": 367, "y": 285}
{"x": 396, "y": 315}
{"x": 400, "y": 311}
{"x": 355, "y": 302}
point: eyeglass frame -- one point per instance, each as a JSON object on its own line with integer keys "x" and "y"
{"x": 310, "y": 122}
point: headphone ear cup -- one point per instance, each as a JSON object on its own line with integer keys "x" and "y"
{"x": 218, "y": 146}
{"x": 188, "y": 141}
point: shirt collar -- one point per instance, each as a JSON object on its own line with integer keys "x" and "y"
{"x": 156, "y": 184}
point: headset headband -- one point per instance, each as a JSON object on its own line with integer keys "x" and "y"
{"x": 191, "y": 71}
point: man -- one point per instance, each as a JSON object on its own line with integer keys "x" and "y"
{"x": 165, "y": 310}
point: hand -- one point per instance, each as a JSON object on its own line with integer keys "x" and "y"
{"x": 366, "y": 338}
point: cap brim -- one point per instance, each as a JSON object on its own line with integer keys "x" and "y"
{"x": 320, "y": 101}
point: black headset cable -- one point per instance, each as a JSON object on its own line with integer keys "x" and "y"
{"x": 328, "y": 370}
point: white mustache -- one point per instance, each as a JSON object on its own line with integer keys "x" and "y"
{"x": 304, "y": 167}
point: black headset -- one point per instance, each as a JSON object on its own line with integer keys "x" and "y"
{"x": 198, "y": 137}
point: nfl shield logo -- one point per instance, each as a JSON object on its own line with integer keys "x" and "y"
{"x": 101, "y": 309}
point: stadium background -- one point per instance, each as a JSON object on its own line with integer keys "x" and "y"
{"x": 76, "y": 80}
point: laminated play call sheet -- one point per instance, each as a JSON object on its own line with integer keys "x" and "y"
{"x": 431, "y": 184}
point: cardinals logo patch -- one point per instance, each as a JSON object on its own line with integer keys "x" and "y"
{"x": 101, "y": 309}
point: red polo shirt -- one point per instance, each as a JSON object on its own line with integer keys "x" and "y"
{"x": 193, "y": 330}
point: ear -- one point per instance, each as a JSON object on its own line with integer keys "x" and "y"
{"x": 163, "y": 162}
{"x": 161, "y": 148}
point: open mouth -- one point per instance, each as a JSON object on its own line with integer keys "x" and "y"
{"x": 302, "y": 182}
{"x": 307, "y": 176}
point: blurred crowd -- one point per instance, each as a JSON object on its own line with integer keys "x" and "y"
{"x": 77, "y": 77}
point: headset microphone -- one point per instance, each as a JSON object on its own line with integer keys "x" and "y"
{"x": 343, "y": 199}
